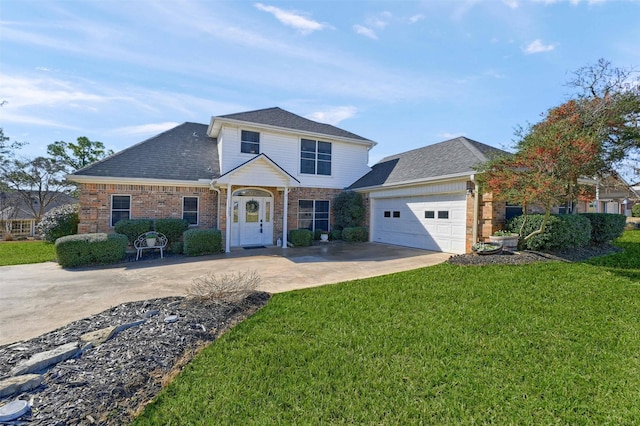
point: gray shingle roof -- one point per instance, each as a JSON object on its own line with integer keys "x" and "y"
{"x": 447, "y": 158}
{"x": 285, "y": 119}
{"x": 182, "y": 153}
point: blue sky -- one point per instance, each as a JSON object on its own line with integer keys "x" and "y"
{"x": 402, "y": 73}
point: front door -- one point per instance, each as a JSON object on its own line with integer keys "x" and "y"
{"x": 255, "y": 222}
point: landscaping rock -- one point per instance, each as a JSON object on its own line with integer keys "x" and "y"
{"x": 42, "y": 360}
{"x": 18, "y": 384}
{"x": 98, "y": 337}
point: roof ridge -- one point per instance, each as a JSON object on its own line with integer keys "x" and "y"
{"x": 470, "y": 144}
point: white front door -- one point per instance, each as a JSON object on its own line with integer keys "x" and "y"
{"x": 255, "y": 220}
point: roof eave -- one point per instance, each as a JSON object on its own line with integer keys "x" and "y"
{"x": 204, "y": 183}
{"x": 414, "y": 182}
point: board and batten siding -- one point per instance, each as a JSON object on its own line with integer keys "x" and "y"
{"x": 348, "y": 161}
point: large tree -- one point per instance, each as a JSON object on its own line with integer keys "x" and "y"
{"x": 75, "y": 156}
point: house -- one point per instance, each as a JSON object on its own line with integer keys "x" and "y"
{"x": 18, "y": 217}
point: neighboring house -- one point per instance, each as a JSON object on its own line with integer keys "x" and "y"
{"x": 614, "y": 195}
{"x": 17, "y": 217}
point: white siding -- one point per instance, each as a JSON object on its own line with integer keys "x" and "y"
{"x": 348, "y": 161}
{"x": 261, "y": 173}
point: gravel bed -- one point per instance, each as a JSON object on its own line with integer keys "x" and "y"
{"x": 109, "y": 383}
{"x": 524, "y": 257}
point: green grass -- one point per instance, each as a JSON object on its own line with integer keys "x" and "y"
{"x": 22, "y": 252}
{"x": 552, "y": 343}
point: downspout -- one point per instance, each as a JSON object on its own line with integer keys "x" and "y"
{"x": 476, "y": 209}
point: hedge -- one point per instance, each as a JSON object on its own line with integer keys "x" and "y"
{"x": 605, "y": 227}
{"x": 635, "y": 210}
{"x": 202, "y": 241}
{"x": 171, "y": 228}
{"x": 563, "y": 232}
{"x": 59, "y": 222}
{"x": 300, "y": 237}
{"x": 354, "y": 234}
{"x": 90, "y": 249}
{"x": 133, "y": 228}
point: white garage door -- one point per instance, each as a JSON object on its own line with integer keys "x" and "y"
{"x": 434, "y": 222}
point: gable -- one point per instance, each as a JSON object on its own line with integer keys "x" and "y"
{"x": 259, "y": 169}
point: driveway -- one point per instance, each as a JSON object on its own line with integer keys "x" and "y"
{"x": 39, "y": 298}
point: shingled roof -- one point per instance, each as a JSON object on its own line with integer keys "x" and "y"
{"x": 280, "y": 118}
{"x": 183, "y": 153}
{"x": 453, "y": 157}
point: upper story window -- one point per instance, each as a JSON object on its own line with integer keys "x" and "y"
{"x": 315, "y": 157}
{"x": 120, "y": 208}
{"x": 250, "y": 142}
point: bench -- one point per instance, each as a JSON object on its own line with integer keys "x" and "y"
{"x": 150, "y": 240}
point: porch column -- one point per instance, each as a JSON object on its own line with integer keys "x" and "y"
{"x": 227, "y": 238}
{"x": 285, "y": 214}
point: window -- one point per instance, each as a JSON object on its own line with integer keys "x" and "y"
{"x": 443, "y": 214}
{"x": 250, "y": 142}
{"x": 120, "y": 208}
{"x": 429, "y": 214}
{"x": 387, "y": 213}
{"x": 190, "y": 210}
{"x": 396, "y": 214}
{"x": 313, "y": 215}
{"x": 315, "y": 157}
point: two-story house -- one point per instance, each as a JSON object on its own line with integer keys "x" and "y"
{"x": 253, "y": 175}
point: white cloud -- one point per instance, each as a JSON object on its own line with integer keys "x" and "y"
{"x": 333, "y": 116}
{"x": 512, "y": 4}
{"x": 367, "y": 32}
{"x": 415, "y": 18}
{"x": 145, "y": 129}
{"x": 450, "y": 135}
{"x": 537, "y": 46}
{"x": 293, "y": 19}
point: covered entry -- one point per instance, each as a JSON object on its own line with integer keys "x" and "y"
{"x": 252, "y": 222}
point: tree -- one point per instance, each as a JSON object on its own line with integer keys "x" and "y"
{"x": 348, "y": 210}
{"x": 37, "y": 181}
{"x": 75, "y": 156}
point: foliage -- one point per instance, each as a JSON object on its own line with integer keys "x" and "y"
{"x": 133, "y": 228}
{"x": 177, "y": 247}
{"x": 335, "y": 235}
{"x": 25, "y": 252}
{"x": 75, "y": 156}
{"x": 562, "y": 232}
{"x": 635, "y": 210}
{"x": 300, "y": 237}
{"x": 58, "y": 222}
{"x": 348, "y": 210}
{"x": 546, "y": 343}
{"x": 90, "y": 249}
{"x": 202, "y": 241}
{"x": 230, "y": 288}
{"x": 605, "y": 227}
{"x": 355, "y": 234}
{"x": 171, "y": 228}
{"x": 482, "y": 247}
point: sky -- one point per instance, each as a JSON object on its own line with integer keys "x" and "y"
{"x": 404, "y": 74}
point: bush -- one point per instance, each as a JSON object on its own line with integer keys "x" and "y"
{"x": 300, "y": 237}
{"x": 59, "y": 222}
{"x": 348, "y": 210}
{"x": 356, "y": 234}
{"x": 90, "y": 249}
{"x": 171, "y": 228}
{"x": 224, "y": 289}
{"x": 605, "y": 227}
{"x": 202, "y": 241}
{"x": 132, "y": 228}
{"x": 563, "y": 232}
{"x": 177, "y": 247}
{"x": 336, "y": 234}
{"x": 635, "y": 210}
{"x": 317, "y": 234}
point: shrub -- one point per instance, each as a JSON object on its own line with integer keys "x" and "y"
{"x": 177, "y": 247}
{"x": 225, "y": 288}
{"x": 316, "y": 234}
{"x": 90, "y": 249}
{"x": 202, "y": 241}
{"x": 300, "y": 237}
{"x": 59, "y": 222}
{"x": 563, "y": 232}
{"x": 171, "y": 228}
{"x": 336, "y": 234}
{"x": 348, "y": 210}
{"x": 132, "y": 228}
{"x": 356, "y": 234}
{"x": 605, "y": 227}
{"x": 635, "y": 210}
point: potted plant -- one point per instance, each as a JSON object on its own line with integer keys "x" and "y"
{"x": 151, "y": 237}
{"x": 508, "y": 240}
{"x": 486, "y": 248}
{"x": 324, "y": 236}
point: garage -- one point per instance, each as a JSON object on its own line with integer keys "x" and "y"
{"x": 433, "y": 222}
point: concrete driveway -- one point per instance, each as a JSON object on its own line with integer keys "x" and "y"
{"x": 39, "y": 298}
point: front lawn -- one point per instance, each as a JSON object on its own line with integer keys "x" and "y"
{"x": 544, "y": 343}
{"x": 22, "y": 252}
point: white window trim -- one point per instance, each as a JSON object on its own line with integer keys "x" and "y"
{"x": 111, "y": 224}
{"x": 259, "y": 142}
{"x": 300, "y": 173}
{"x": 190, "y": 211}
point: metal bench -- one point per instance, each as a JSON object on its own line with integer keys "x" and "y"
{"x": 150, "y": 240}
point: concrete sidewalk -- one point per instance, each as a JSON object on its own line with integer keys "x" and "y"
{"x": 38, "y": 298}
